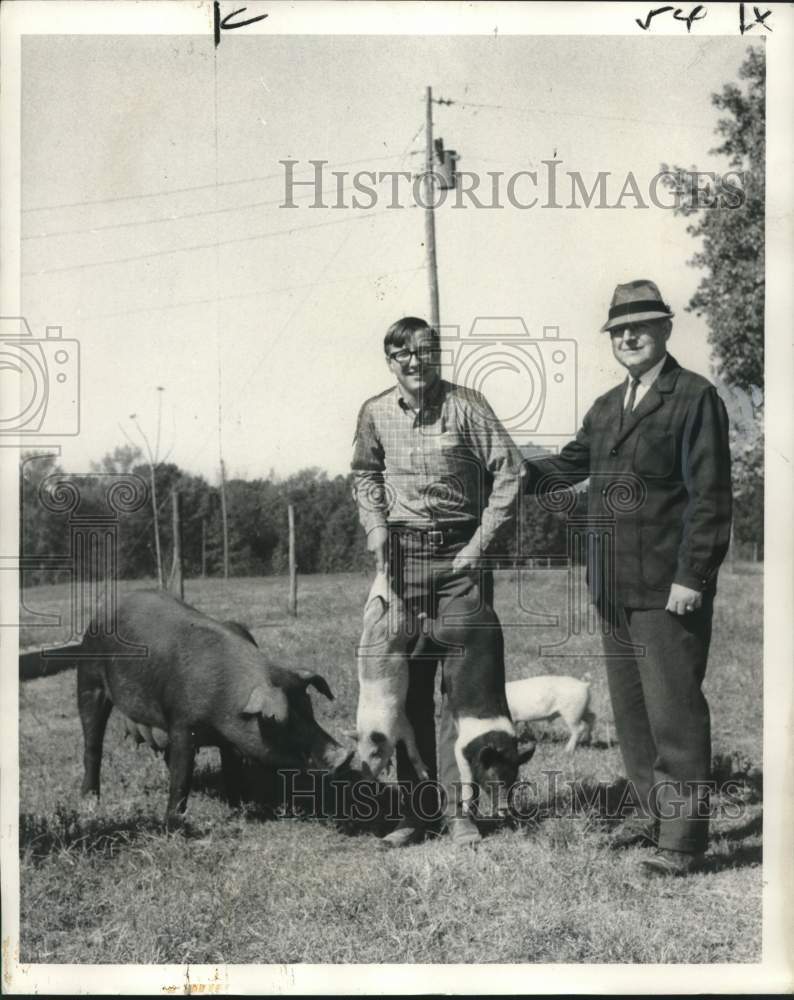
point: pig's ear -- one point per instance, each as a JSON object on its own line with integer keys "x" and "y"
{"x": 317, "y": 682}
{"x": 267, "y": 701}
{"x": 527, "y": 754}
{"x": 343, "y": 760}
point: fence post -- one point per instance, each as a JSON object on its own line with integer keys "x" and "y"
{"x": 292, "y": 606}
{"x": 203, "y": 547}
{"x": 176, "y": 583}
{"x": 225, "y": 523}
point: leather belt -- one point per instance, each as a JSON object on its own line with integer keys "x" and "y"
{"x": 437, "y": 535}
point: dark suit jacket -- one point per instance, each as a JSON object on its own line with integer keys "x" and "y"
{"x": 662, "y": 481}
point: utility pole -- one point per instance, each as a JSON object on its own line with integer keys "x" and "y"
{"x": 224, "y": 518}
{"x": 292, "y": 604}
{"x": 430, "y": 221}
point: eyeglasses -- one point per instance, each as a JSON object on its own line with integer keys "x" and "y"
{"x": 424, "y": 355}
{"x": 634, "y": 329}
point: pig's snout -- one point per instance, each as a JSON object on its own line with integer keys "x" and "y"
{"x": 326, "y": 754}
{"x": 494, "y": 802}
{"x": 502, "y": 802}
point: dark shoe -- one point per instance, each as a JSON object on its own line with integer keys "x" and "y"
{"x": 671, "y": 863}
{"x": 462, "y": 831}
{"x": 634, "y": 835}
{"x": 403, "y": 836}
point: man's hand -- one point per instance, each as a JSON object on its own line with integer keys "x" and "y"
{"x": 377, "y": 543}
{"x": 467, "y": 558}
{"x": 683, "y": 599}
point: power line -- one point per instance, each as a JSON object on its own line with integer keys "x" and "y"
{"x": 335, "y": 190}
{"x": 312, "y": 286}
{"x": 187, "y": 215}
{"x": 249, "y": 295}
{"x": 315, "y": 284}
{"x": 199, "y": 187}
{"x": 276, "y": 336}
{"x": 203, "y": 246}
{"x": 580, "y": 114}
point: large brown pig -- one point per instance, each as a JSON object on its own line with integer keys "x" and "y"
{"x": 200, "y": 683}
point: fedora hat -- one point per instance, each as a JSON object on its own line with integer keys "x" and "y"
{"x": 635, "y": 302}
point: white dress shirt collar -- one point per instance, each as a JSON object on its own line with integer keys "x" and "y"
{"x": 646, "y": 381}
{"x": 648, "y": 378}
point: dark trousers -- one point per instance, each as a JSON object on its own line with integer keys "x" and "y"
{"x": 662, "y": 717}
{"x": 460, "y": 632}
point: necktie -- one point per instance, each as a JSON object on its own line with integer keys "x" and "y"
{"x": 632, "y": 397}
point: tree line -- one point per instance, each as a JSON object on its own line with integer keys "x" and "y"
{"x": 328, "y": 539}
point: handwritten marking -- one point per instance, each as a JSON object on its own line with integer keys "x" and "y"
{"x": 226, "y": 23}
{"x": 759, "y": 19}
{"x": 699, "y": 12}
{"x": 694, "y": 15}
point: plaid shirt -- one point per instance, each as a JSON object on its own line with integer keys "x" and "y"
{"x": 452, "y": 461}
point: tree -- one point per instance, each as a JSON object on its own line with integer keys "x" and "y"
{"x": 43, "y": 532}
{"x": 120, "y": 461}
{"x": 748, "y": 493}
{"x": 343, "y": 543}
{"x": 731, "y": 292}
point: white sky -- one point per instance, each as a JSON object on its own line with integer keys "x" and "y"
{"x": 295, "y": 320}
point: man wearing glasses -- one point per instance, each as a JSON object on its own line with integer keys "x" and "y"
{"x": 655, "y": 449}
{"x": 437, "y": 478}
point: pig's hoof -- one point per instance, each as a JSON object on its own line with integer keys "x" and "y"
{"x": 463, "y": 832}
{"x": 175, "y": 823}
{"x": 402, "y": 836}
{"x": 90, "y": 802}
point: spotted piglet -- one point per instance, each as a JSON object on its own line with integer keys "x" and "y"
{"x": 381, "y": 721}
{"x": 486, "y": 748}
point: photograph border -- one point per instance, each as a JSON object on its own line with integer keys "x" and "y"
{"x": 774, "y": 973}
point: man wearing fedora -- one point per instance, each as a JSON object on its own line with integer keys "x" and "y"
{"x": 655, "y": 450}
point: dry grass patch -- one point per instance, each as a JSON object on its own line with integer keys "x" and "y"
{"x": 109, "y": 886}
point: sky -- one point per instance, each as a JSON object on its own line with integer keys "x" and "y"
{"x": 154, "y": 231}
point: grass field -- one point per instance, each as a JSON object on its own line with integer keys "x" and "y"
{"x": 110, "y": 886}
